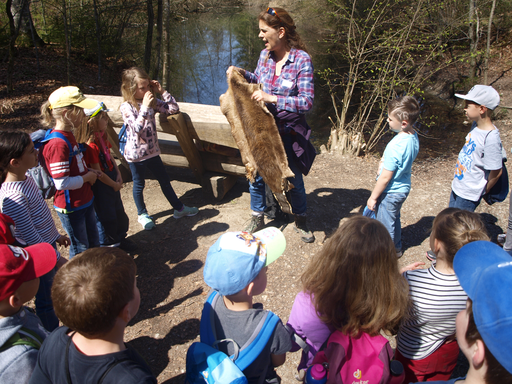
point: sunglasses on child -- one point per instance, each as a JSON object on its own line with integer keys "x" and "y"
{"x": 100, "y": 108}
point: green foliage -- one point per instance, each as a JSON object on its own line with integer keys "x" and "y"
{"x": 382, "y": 49}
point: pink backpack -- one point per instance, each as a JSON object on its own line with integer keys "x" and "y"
{"x": 363, "y": 360}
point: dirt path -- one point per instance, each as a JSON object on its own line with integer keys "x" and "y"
{"x": 171, "y": 257}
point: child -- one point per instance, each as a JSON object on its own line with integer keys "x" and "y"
{"x": 20, "y": 199}
{"x": 426, "y": 344}
{"x": 236, "y": 267}
{"x": 20, "y": 270}
{"x": 142, "y": 151}
{"x": 484, "y": 327}
{"x": 394, "y": 179}
{"x": 113, "y": 222}
{"x": 95, "y": 297}
{"x": 352, "y": 285}
{"x": 480, "y": 160}
{"x": 73, "y": 200}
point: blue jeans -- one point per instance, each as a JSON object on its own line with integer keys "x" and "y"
{"x": 44, "y": 303}
{"x": 157, "y": 168}
{"x": 297, "y": 194}
{"x": 462, "y": 203}
{"x": 81, "y": 228}
{"x": 388, "y": 213}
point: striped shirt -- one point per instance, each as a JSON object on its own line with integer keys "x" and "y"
{"x": 22, "y": 201}
{"x": 437, "y": 299}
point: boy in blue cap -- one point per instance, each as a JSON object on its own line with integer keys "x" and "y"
{"x": 484, "y": 328}
{"x": 236, "y": 267}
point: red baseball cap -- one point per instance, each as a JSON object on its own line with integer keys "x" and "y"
{"x": 7, "y": 231}
{"x": 19, "y": 265}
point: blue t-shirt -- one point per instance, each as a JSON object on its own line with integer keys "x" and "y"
{"x": 398, "y": 157}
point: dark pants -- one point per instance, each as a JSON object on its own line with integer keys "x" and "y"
{"x": 113, "y": 222}
{"x": 157, "y": 168}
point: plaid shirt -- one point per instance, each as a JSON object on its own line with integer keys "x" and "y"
{"x": 294, "y": 87}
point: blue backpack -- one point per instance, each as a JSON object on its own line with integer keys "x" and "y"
{"x": 40, "y": 173}
{"x": 122, "y": 139}
{"x": 206, "y": 364}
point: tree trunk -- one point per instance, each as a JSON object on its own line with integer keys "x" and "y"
{"x": 98, "y": 36}
{"x": 159, "y": 16}
{"x": 149, "y": 36}
{"x": 68, "y": 43}
{"x": 167, "y": 47}
{"x": 473, "y": 39}
{"x": 488, "y": 49}
{"x": 12, "y": 41}
{"x": 23, "y": 20}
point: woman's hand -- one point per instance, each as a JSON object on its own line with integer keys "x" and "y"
{"x": 233, "y": 68}
{"x": 259, "y": 95}
{"x": 147, "y": 101}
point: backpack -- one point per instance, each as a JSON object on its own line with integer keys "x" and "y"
{"x": 24, "y": 336}
{"x": 206, "y": 364}
{"x": 366, "y": 359}
{"x": 40, "y": 173}
{"x": 122, "y": 137}
{"x": 499, "y": 191}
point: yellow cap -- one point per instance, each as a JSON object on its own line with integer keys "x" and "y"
{"x": 66, "y": 96}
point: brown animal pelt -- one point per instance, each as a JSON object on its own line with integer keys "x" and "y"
{"x": 256, "y": 134}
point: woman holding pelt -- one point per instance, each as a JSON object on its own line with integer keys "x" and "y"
{"x": 285, "y": 71}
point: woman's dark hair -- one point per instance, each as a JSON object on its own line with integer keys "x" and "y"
{"x": 12, "y": 146}
{"x": 283, "y": 19}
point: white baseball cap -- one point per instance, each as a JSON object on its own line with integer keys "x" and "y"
{"x": 482, "y": 94}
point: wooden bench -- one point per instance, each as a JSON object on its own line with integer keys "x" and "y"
{"x": 199, "y": 138}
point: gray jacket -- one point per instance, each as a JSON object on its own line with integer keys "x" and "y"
{"x": 18, "y": 362}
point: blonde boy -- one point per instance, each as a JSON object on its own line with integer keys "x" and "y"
{"x": 394, "y": 179}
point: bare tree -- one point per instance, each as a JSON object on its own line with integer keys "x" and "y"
{"x": 149, "y": 36}
{"x": 488, "y": 48}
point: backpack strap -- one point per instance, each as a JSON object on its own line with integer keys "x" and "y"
{"x": 23, "y": 336}
{"x": 253, "y": 347}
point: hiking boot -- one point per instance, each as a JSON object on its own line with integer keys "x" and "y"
{"x": 185, "y": 211}
{"x": 257, "y": 222}
{"x": 146, "y": 221}
{"x": 301, "y": 227}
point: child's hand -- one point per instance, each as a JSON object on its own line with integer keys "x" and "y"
{"x": 156, "y": 86}
{"x": 147, "y": 101}
{"x": 63, "y": 241}
{"x": 371, "y": 203}
{"x": 412, "y": 267}
{"x": 90, "y": 177}
{"x": 118, "y": 186}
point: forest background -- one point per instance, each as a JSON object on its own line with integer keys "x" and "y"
{"x": 366, "y": 51}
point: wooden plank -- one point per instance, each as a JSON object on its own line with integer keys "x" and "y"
{"x": 219, "y": 185}
{"x": 179, "y": 128}
{"x": 205, "y": 122}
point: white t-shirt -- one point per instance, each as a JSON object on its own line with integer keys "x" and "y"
{"x": 481, "y": 154}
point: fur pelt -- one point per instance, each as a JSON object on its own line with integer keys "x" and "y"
{"x": 256, "y": 134}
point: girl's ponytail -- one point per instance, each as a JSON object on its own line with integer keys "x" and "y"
{"x": 46, "y": 114}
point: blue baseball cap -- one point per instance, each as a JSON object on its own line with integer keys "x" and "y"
{"x": 237, "y": 258}
{"x": 484, "y": 271}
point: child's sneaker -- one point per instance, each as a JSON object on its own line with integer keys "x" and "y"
{"x": 431, "y": 256}
{"x": 502, "y": 238}
{"x": 186, "y": 211}
{"x": 146, "y": 221}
